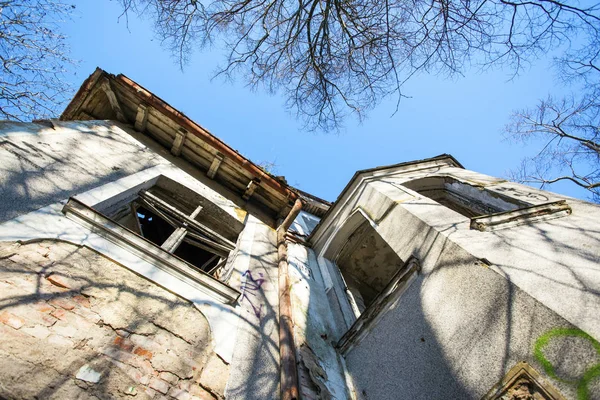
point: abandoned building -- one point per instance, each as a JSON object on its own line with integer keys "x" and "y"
{"x": 142, "y": 257}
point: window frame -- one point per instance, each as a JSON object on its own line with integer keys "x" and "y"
{"x": 391, "y": 293}
{"x": 125, "y": 238}
{"x": 529, "y": 208}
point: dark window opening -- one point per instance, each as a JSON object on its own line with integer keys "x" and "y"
{"x": 201, "y": 259}
{"x": 153, "y": 227}
{"x": 182, "y": 223}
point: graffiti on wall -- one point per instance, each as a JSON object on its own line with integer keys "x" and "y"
{"x": 250, "y": 291}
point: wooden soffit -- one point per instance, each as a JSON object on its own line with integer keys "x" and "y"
{"x": 105, "y": 96}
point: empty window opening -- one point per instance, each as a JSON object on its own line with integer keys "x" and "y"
{"x": 367, "y": 264}
{"x": 181, "y": 222}
{"x": 468, "y": 200}
{"x": 153, "y": 227}
{"x": 201, "y": 259}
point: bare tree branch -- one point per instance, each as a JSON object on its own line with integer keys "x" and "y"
{"x": 570, "y": 132}
{"x": 32, "y": 58}
{"x": 335, "y": 57}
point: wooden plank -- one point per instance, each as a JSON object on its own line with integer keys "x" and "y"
{"x": 208, "y": 262}
{"x": 112, "y": 99}
{"x": 178, "y": 142}
{"x": 214, "y": 166}
{"x": 196, "y": 212}
{"x": 252, "y": 185}
{"x": 82, "y": 115}
{"x": 208, "y": 245}
{"x": 141, "y": 118}
{"x": 202, "y": 163}
{"x": 147, "y": 196}
{"x": 158, "y": 134}
{"x": 174, "y": 240}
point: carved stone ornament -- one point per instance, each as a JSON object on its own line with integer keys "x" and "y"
{"x": 523, "y": 382}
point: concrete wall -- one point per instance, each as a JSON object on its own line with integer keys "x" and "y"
{"x": 43, "y": 164}
{"x": 100, "y": 163}
{"x": 483, "y": 300}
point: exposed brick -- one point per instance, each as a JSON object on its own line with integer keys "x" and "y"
{"x": 150, "y": 393}
{"x": 87, "y": 314}
{"x": 32, "y": 316}
{"x": 198, "y": 391}
{"x": 123, "y": 343}
{"x": 62, "y": 303}
{"x": 42, "y": 306}
{"x": 11, "y": 320}
{"x": 180, "y": 394}
{"x": 215, "y": 375}
{"x": 59, "y": 313}
{"x": 37, "y": 331}
{"x": 82, "y": 300}
{"x": 24, "y": 283}
{"x": 58, "y": 280}
{"x": 159, "y": 385}
{"x": 185, "y": 384}
{"x": 128, "y": 358}
{"x": 63, "y": 329}
{"x": 140, "y": 351}
{"x": 145, "y": 342}
{"x": 19, "y": 259}
{"x": 131, "y": 371}
{"x": 169, "y": 377}
{"x": 60, "y": 340}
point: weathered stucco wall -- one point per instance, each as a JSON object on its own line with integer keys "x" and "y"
{"x": 483, "y": 301}
{"x": 75, "y": 324}
{"x": 255, "y": 364}
{"x": 321, "y": 375}
{"x": 244, "y": 335}
{"x": 46, "y": 163}
{"x": 458, "y": 330}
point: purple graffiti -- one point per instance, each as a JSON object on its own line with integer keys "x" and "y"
{"x": 250, "y": 287}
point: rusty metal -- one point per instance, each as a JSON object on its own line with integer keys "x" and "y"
{"x": 287, "y": 348}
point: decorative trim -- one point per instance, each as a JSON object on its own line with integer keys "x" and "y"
{"x": 148, "y": 251}
{"x": 523, "y": 382}
{"x": 521, "y": 216}
{"x": 388, "y": 296}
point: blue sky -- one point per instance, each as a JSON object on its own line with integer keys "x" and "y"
{"x": 463, "y": 116}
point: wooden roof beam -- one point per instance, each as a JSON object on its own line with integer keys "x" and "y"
{"x": 194, "y": 129}
{"x": 112, "y": 99}
{"x": 178, "y": 142}
{"x": 250, "y": 189}
{"x": 141, "y": 118}
{"x": 214, "y": 166}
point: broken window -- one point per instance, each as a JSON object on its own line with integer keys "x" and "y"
{"x": 375, "y": 279}
{"x": 489, "y": 209}
{"x": 468, "y": 200}
{"x": 304, "y": 224}
{"x": 181, "y": 222}
{"x": 367, "y": 264}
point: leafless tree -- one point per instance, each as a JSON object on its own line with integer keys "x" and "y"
{"x": 33, "y": 54}
{"x": 334, "y": 56}
{"x": 568, "y": 132}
